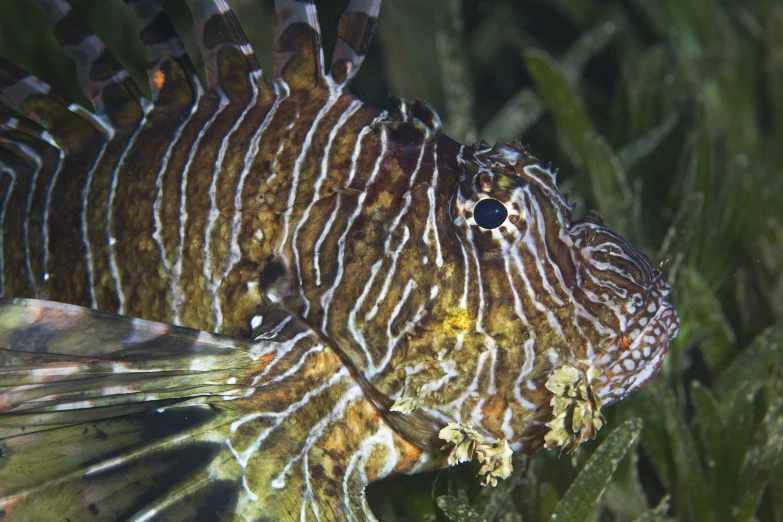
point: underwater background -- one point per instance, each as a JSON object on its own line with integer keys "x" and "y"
{"x": 664, "y": 115}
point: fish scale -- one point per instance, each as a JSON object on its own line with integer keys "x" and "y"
{"x": 277, "y": 294}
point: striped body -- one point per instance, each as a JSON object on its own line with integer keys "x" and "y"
{"x": 172, "y": 221}
{"x": 338, "y": 246}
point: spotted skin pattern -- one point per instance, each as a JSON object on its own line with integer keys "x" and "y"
{"x": 331, "y": 249}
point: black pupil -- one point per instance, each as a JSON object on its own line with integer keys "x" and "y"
{"x": 489, "y": 213}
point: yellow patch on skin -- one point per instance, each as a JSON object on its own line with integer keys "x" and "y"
{"x": 385, "y": 200}
{"x": 457, "y": 319}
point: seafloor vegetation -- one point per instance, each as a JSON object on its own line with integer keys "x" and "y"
{"x": 667, "y": 116}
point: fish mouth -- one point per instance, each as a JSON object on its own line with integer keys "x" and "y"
{"x": 633, "y": 358}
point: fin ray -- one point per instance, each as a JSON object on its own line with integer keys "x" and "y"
{"x": 231, "y": 65}
{"x": 10, "y": 126}
{"x": 298, "y": 57}
{"x": 45, "y": 367}
{"x": 354, "y": 34}
{"x": 70, "y": 450}
{"x": 70, "y": 126}
{"x": 172, "y": 77}
{"x": 103, "y": 80}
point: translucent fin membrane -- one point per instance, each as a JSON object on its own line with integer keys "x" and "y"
{"x": 299, "y": 57}
{"x": 231, "y": 65}
{"x": 172, "y": 78}
{"x": 354, "y": 34}
{"x": 112, "y": 91}
{"x": 68, "y": 125}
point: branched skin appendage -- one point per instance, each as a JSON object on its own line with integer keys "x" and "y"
{"x": 464, "y": 443}
{"x": 576, "y": 409}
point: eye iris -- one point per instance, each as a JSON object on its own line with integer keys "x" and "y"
{"x": 489, "y": 213}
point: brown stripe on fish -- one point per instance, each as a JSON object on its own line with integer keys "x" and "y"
{"x": 378, "y": 281}
{"x": 21, "y": 150}
{"x": 334, "y": 146}
{"x": 95, "y": 219}
{"x": 229, "y": 222}
{"x": 222, "y": 193}
{"x": 314, "y": 145}
{"x": 269, "y": 199}
{"x": 39, "y": 161}
{"x": 192, "y": 304}
{"x": 134, "y": 256}
{"x": 233, "y": 76}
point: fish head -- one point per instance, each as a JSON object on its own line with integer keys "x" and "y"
{"x": 542, "y": 291}
{"x": 462, "y": 284}
{"x": 622, "y": 287}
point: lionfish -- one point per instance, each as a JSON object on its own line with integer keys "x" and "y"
{"x": 249, "y": 299}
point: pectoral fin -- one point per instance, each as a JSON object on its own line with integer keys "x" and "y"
{"x": 111, "y": 416}
{"x": 103, "y": 417}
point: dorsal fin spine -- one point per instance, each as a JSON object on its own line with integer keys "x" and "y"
{"x": 99, "y": 121}
{"x": 354, "y": 34}
{"x": 298, "y": 57}
{"x": 37, "y": 100}
{"x": 162, "y": 43}
{"x": 218, "y": 33}
{"x": 93, "y": 59}
{"x": 11, "y": 124}
{"x": 403, "y": 110}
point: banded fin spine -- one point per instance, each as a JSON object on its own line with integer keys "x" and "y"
{"x": 230, "y": 62}
{"x": 299, "y": 56}
{"x": 402, "y": 110}
{"x": 115, "y": 96}
{"x": 10, "y": 126}
{"x": 354, "y": 34}
{"x": 172, "y": 77}
{"x": 69, "y": 127}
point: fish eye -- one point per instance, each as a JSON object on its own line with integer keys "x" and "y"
{"x": 489, "y": 213}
